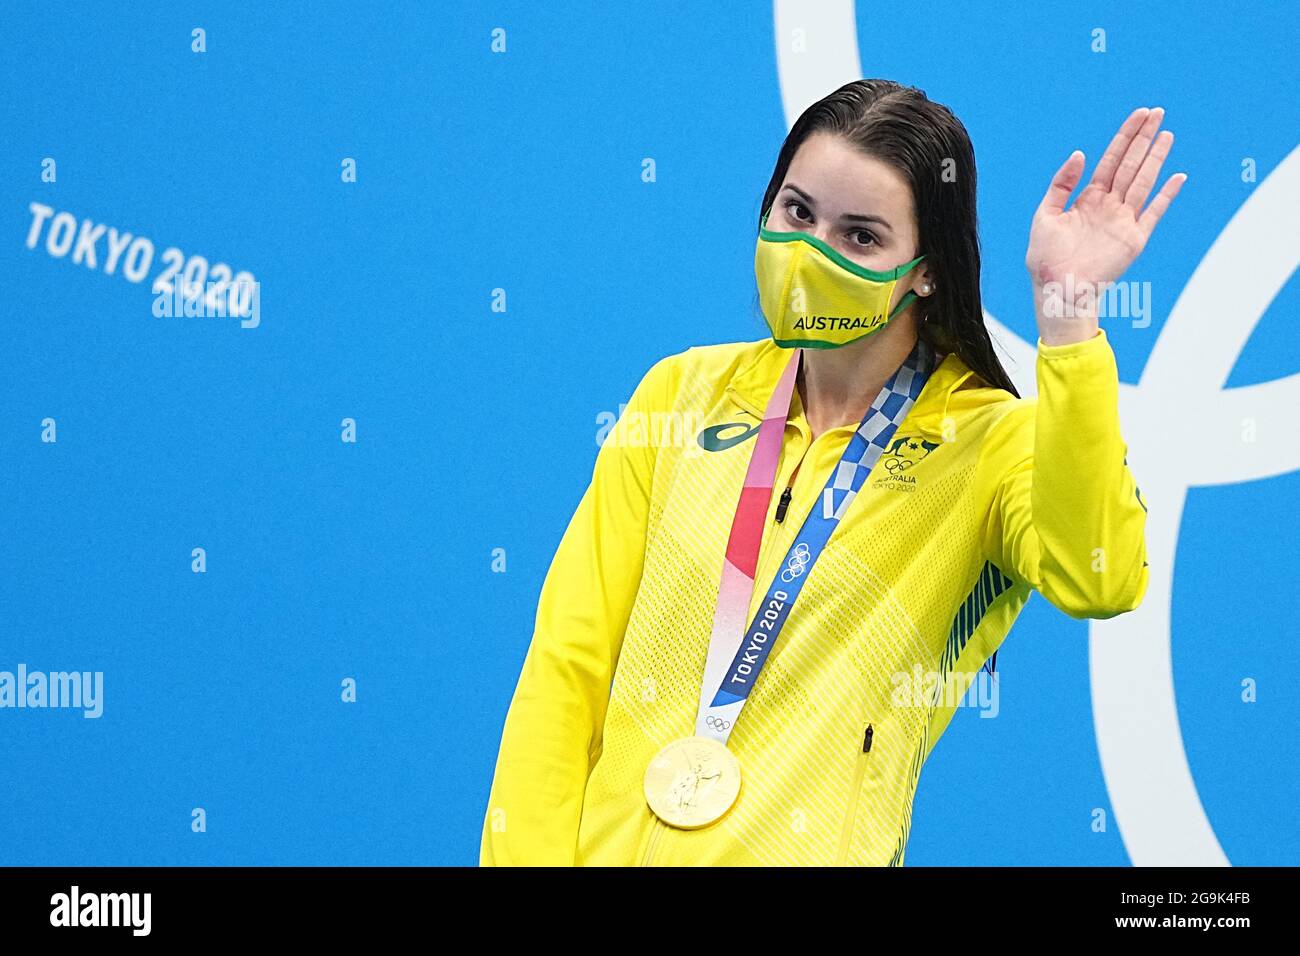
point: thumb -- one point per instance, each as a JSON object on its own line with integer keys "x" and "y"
{"x": 1063, "y": 183}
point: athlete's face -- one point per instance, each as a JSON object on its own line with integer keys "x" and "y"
{"x": 855, "y": 203}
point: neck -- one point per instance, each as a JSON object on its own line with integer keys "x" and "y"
{"x": 838, "y": 385}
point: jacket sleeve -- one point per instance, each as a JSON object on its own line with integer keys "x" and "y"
{"x": 553, "y": 726}
{"x": 1067, "y": 516}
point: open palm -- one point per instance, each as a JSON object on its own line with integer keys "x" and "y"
{"x": 1098, "y": 238}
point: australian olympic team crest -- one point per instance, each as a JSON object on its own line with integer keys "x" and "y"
{"x": 900, "y": 458}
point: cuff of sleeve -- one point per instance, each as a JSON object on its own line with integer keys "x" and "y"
{"x": 1071, "y": 349}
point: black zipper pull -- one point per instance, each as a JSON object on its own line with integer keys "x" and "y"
{"x": 782, "y": 505}
{"x": 866, "y": 740}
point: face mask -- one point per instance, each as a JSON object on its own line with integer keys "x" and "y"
{"x": 814, "y": 297}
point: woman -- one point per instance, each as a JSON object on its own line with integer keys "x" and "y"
{"x": 687, "y": 592}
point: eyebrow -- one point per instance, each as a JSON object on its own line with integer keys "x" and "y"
{"x": 847, "y": 217}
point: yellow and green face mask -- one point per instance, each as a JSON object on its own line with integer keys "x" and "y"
{"x": 814, "y": 297}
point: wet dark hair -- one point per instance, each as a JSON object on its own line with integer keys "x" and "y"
{"x": 900, "y": 126}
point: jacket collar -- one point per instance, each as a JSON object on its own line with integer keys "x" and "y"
{"x": 757, "y": 375}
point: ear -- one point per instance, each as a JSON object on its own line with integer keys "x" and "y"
{"x": 926, "y": 280}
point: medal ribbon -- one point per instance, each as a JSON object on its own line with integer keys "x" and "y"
{"x": 736, "y": 655}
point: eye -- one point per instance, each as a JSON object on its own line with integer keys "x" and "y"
{"x": 790, "y": 205}
{"x": 859, "y": 233}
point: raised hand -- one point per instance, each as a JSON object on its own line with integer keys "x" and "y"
{"x": 1073, "y": 253}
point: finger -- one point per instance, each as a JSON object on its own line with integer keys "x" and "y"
{"x": 1105, "y": 171}
{"x": 1136, "y": 153}
{"x": 1147, "y": 221}
{"x": 1063, "y": 183}
{"x": 1150, "y": 170}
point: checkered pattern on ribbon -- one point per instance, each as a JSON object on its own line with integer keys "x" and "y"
{"x": 885, "y": 415}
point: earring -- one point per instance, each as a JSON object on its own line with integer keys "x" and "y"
{"x": 926, "y": 288}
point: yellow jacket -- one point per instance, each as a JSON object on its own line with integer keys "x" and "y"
{"x": 980, "y": 498}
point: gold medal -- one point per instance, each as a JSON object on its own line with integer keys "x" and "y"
{"x": 692, "y": 782}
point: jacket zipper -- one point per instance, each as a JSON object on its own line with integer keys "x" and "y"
{"x": 783, "y": 504}
{"x": 659, "y": 826}
{"x": 850, "y": 815}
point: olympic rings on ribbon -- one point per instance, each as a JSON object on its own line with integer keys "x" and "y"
{"x": 799, "y": 560}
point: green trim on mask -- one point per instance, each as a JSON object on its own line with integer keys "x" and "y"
{"x": 836, "y": 257}
{"x": 903, "y": 303}
{"x": 817, "y": 343}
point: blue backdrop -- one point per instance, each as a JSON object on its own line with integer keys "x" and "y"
{"x": 476, "y": 429}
